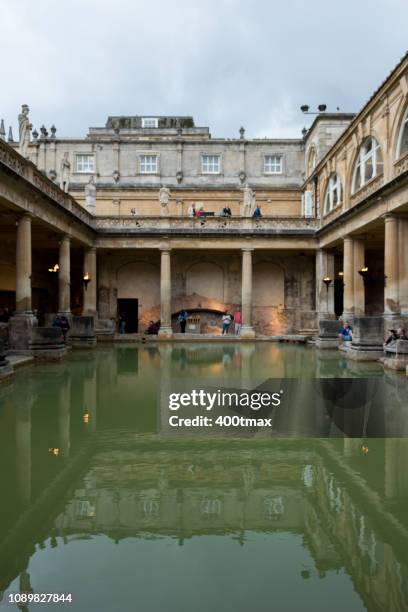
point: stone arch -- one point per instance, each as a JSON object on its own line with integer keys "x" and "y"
{"x": 268, "y": 285}
{"x": 139, "y": 279}
{"x": 396, "y": 127}
{"x": 206, "y": 279}
{"x": 311, "y": 159}
{"x": 354, "y": 158}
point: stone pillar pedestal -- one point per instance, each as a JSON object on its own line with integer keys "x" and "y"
{"x": 328, "y": 337}
{"x": 368, "y": 338}
{"x": 165, "y": 330}
{"x": 391, "y": 289}
{"x": 64, "y": 277}
{"x": 247, "y": 331}
{"x": 89, "y": 294}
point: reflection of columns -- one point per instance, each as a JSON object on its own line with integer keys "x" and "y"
{"x": 90, "y": 399}
{"x": 23, "y": 448}
{"x": 64, "y": 276}
{"x": 165, "y": 388}
{"x": 64, "y": 420}
{"x": 247, "y": 350}
{"x": 391, "y": 293}
{"x": 359, "y": 262}
{"x": 348, "y": 276}
{"x": 247, "y": 330}
{"x": 23, "y": 265}
{"x": 403, "y": 264}
{"x": 324, "y": 296}
{"x": 165, "y": 294}
{"x": 90, "y": 291}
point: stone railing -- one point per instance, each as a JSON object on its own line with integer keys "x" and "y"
{"x": 143, "y": 224}
{"x": 367, "y": 190}
{"x": 401, "y": 165}
{"x": 29, "y": 172}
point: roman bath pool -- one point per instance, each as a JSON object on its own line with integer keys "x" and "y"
{"x": 107, "y": 503}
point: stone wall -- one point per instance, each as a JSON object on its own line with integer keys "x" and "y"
{"x": 283, "y": 287}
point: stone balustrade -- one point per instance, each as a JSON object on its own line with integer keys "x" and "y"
{"x": 26, "y": 170}
{"x": 176, "y": 224}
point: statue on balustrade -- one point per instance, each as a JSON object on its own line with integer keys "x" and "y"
{"x": 90, "y": 194}
{"x": 248, "y": 202}
{"x": 65, "y": 172}
{"x": 164, "y": 199}
{"x": 25, "y": 128}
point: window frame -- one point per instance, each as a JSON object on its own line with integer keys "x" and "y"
{"x": 211, "y": 155}
{"x": 403, "y": 127}
{"x": 150, "y": 127}
{"x": 364, "y": 156}
{"x": 86, "y": 171}
{"x": 151, "y": 172}
{"x": 278, "y": 156}
{"x": 333, "y": 184}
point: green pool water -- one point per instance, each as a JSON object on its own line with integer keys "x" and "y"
{"x": 101, "y": 498}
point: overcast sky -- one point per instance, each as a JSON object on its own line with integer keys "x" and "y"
{"x": 226, "y": 62}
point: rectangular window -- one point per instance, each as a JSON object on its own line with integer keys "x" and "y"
{"x": 273, "y": 164}
{"x": 85, "y": 163}
{"x": 150, "y": 122}
{"x": 210, "y": 164}
{"x": 148, "y": 164}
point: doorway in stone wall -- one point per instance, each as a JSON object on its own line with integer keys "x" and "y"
{"x": 129, "y": 309}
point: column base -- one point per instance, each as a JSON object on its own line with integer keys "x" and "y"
{"x": 247, "y": 332}
{"x": 20, "y": 327}
{"x": 165, "y": 332}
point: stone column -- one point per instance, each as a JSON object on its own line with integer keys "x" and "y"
{"x": 324, "y": 296}
{"x": 21, "y": 324}
{"x": 23, "y": 266}
{"x": 247, "y": 330}
{"x": 64, "y": 277}
{"x": 403, "y": 264}
{"x": 165, "y": 295}
{"x": 348, "y": 277}
{"x": 359, "y": 289}
{"x": 391, "y": 289}
{"x": 90, "y": 291}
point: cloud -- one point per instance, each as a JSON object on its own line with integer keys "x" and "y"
{"x": 226, "y": 62}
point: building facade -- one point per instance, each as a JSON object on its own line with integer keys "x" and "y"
{"x": 116, "y": 205}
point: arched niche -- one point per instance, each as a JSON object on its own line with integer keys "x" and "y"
{"x": 268, "y": 285}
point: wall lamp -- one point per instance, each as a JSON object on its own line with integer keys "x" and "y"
{"x": 364, "y": 273}
{"x": 86, "y": 280}
{"x": 327, "y": 281}
{"x": 54, "y": 269}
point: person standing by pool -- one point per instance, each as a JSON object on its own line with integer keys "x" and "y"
{"x": 346, "y": 332}
{"x": 238, "y": 322}
{"x": 226, "y": 322}
{"x": 182, "y": 319}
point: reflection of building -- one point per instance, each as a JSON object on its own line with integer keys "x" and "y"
{"x": 333, "y": 202}
{"x": 117, "y": 475}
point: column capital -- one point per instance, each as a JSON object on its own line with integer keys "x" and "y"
{"x": 90, "y": 249}
{"x": 247, "y": 249}
{"x": 348, "y": 238}
{"x": 389, "y": 217}
{"x": 65, "y": 237}
{"x": 163, "y": 249}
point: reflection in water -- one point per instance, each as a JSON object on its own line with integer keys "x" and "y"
{"x": 290, "y": 519}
